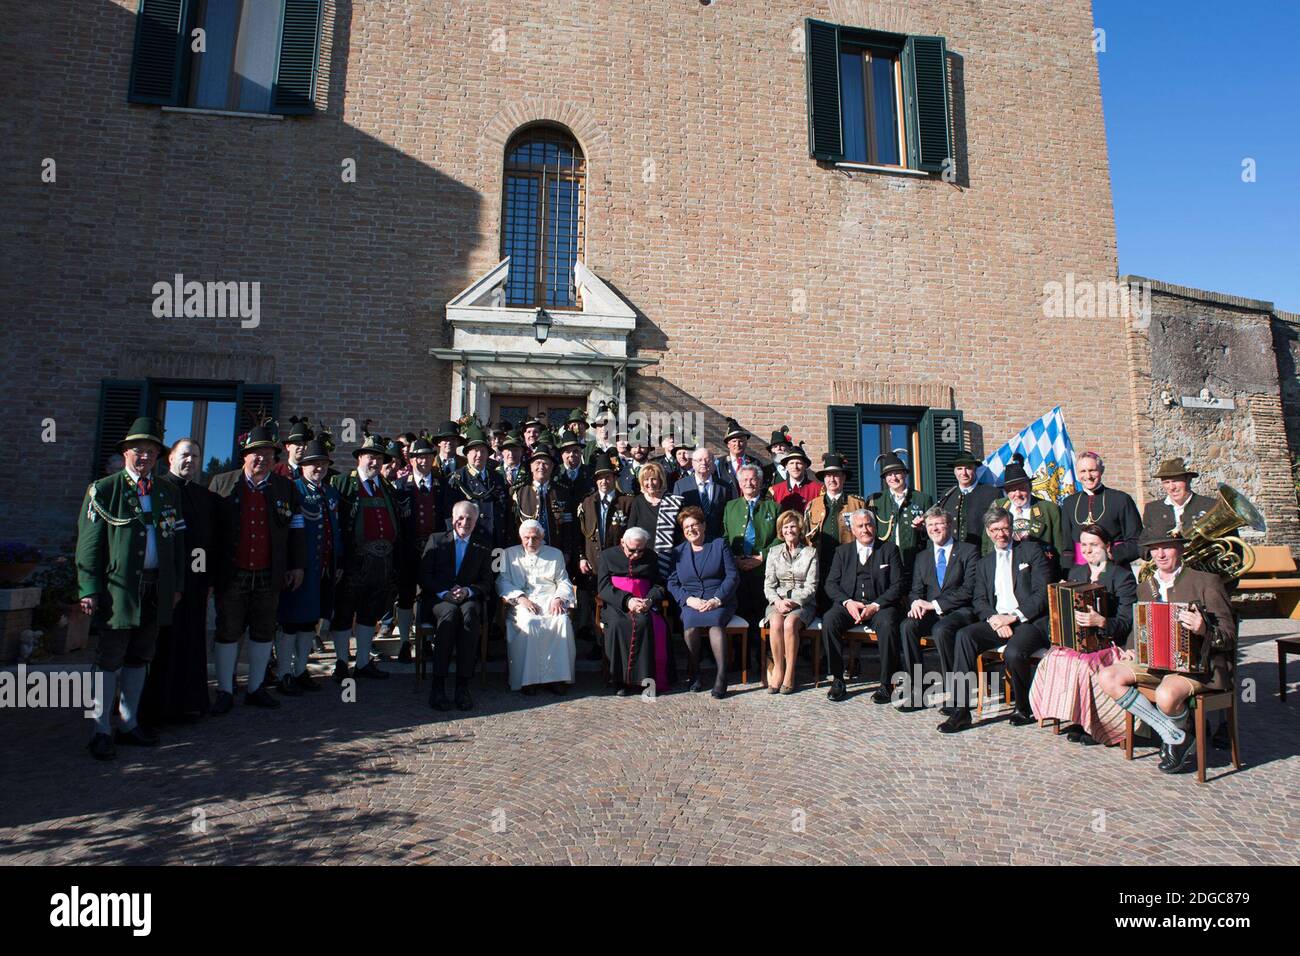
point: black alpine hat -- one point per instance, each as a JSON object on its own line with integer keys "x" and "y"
{"x": 542, "y": 451}
{"x": 423, "y": 445}
{"x": 796, "y": 452}
{"x": 1014, "y": 474}
{"x": 266, "y": 435}
{"x": 832, "y": 462}
{"x": 890, "y": 463}
{"x": 603, "y": 464}
{"x": 966, "y": 459}
{"x": 780, "y": 437}
{"x": 448, "y": 431}
{"x": 300, "y": 431}
{"x": 316, "y": 450}
{"x": 734, "y": 430}
{"x": 374, "y": 444}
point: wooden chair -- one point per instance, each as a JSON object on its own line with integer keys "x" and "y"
{"x": 1285, "y": 647}
{"x": 1203, "y": 703}
{"x": 811, "y": 632}
{"x": 990, "y": 660}
{"x": 425, "y": 632}
{"x": 739, "y": 627}
{"x": 1275, "y": 571}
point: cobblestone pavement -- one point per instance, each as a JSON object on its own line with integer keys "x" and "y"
{"x": 591, "y": 778}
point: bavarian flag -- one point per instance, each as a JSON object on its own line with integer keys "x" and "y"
{"x": 1048, "y": 458}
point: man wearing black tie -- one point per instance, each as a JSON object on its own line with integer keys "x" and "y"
{"x": 703, "y": 489}
{"x": 456, "y": 579}
{"x": 865, "y": 586}
{"x": 943, "y": 580}
{"x": 1010, "y": 597}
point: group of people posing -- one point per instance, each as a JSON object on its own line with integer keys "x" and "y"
{"x": 578, "y": 538}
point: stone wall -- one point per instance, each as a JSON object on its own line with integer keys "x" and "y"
{"x": 1196, "y": 342}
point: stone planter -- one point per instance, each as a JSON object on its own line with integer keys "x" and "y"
{"x": 75, "y": 633}
{"x": 16, "y": 606}
{"x": 11, "y": 573}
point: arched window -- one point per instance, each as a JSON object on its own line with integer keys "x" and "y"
{"x": 542, "y": 211}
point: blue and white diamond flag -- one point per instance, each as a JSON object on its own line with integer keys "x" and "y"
{"x": 1049, "y": 458}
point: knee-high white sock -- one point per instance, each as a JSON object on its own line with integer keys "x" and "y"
{"x": 226, "y": 655}
{"x": 364, "y": 638}
{"x": 132, "y": 688}
{"x": 1170, "y": 730}
{"x": 404, "y": 617}
{"x": 341, "y": 641}
{"x": 106, "y": 701}
{"x": 286, "y": 646}
{"x": 259, "y": 655}
{"x": 302, "y": 642}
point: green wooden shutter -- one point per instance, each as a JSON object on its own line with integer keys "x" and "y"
{"x": 845, "y": 438}
{"x": 942, "y": 440}
{"x": 822, "y": 55}
{"x": 925, "y": 86}
{"x": 295, "y": 72}
{"x": 159, "y": 52}
{"x": 255, "y": 404}
{"x": 121, "y": 402}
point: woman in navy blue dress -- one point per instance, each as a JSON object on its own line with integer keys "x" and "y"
{"x": 703, "y": 581}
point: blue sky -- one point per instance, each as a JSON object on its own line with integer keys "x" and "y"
{"x": 1190, "y": 90}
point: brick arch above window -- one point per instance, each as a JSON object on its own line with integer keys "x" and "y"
{"x": 543, "y": 110}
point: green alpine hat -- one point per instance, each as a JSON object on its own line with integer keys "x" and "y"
{"x": 374, "y": 444}
{"x": 512, "y": 440}
{"x": 966, "y": 459}
{"x": 576, "y": 416}
{"x": 300, "y": 431}
{"x": 570, "y": 440}
{"x": 474, "y": 436}
{"x": 143, "y": 429}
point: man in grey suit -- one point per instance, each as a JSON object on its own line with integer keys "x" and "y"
{"x": 705, "y": 490}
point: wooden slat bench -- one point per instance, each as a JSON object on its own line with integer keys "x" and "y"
{"x": 1275, "y": 571}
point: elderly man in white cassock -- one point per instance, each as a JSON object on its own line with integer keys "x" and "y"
{"x": 539, "y": 633}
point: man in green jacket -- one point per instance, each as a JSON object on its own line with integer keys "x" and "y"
{"x": 749, "y": 527}
{"x": 130, "y": 574}
{"x": 900, "y": 510}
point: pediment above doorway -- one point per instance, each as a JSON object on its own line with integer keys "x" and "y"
{"x": 500, "y": 349}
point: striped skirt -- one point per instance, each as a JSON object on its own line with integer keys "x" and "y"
{"x": 1065, "y": 688}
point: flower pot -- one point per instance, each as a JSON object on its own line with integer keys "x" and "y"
{"x": 13, "y": 573}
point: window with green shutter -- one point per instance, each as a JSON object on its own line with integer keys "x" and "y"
{"x": 877, "y": 98}
{"x": 255, "y": 56}
{"x": 121, "y": 402}
{"x": 928, "y": 440}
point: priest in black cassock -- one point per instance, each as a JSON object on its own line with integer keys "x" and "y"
{"x": 176, "y": 688}
{"x": 631, "y": 587}
{"x": 1096, "y": 504}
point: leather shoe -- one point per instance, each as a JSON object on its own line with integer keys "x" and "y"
{"x": 718, "y": 693}
{"x": 371, "y": 671}
{"x": 1018, "y": 719}
{"x": 340, "y": 672}
{"x": 405, "y": 655}
{"x": 101, "y": 747}
{"x": 956, "y": 723}
{"x": 529, "y": 691}
{"x": 137, "y": 736}
{"x": 306, "y": 682}
{"x": 438, "y": 701}
{"x": 289, "y": 686}
{"x": 1182, "y": 757}
{"x": 881, "y": 696}
{"x": 463, "y": 700}
{"x": 697, "y": 685}
{"x": 558, "y": 688}
{"x": 837, "y": 692}
{"x": 261, "y": 698}
{"x": 223, "y": 703}
{"x": 622, "y": 691}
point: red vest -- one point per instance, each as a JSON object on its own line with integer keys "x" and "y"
{"x": 377, "y": 526}
{"x": 426, "y": 511}
{"x": 254, "y": 550}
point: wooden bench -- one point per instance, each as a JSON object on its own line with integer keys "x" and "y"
{"x": 811, "y": 632}
{"x": 1275, "y": 571}
{"x": 1203, "y": 704}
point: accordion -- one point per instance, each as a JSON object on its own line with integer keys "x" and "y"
{"x": 1162, "y": 642}
{"x": 1064, "y": 599}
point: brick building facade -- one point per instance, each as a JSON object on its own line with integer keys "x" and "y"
{"x": 712, "y": 243}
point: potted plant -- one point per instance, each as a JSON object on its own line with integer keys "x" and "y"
{"x": 17, "y": 560}
{"x": 60, "y": 604}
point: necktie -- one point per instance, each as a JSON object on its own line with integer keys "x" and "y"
{"x": 144, "y": 486}
{"x": 543, "y": 514}
{"x": 749, "y": 531}
{"x": 940, "y": 565}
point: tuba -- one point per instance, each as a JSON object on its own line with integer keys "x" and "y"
{"x": 1211, "y": 545}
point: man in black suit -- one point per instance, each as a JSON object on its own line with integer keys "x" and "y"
{"x": 943, "y": 579}
{"x": 456, "y": 577}
{"x": 865, "y": 586}
{"x": 1010, "y": 599}
{"x": 705, "y": 490}
{"x": 967, "y": 500}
